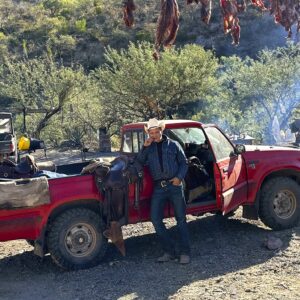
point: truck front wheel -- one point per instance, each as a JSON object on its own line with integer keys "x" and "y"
{"x": 279, "y": 204}
{"x": 75, "y": 239}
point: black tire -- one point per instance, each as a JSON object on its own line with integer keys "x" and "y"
{"x": 279, "y": 203}
{"x": 75, "y": 240}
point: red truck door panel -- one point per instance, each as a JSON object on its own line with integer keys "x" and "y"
{"x": 234, "y": 182}
{"x": 232, "y": 170}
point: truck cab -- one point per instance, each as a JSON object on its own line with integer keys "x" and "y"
{"x": 224, "y": 184}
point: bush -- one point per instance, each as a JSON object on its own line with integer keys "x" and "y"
{"x": 80, "y": 25}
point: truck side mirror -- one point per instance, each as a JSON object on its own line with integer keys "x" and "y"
{"x": 239, "y": 149}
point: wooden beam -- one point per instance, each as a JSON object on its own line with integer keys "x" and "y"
{"x": 27, "y": 110}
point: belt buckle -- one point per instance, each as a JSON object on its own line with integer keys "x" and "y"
{"x": 163, "y": 183}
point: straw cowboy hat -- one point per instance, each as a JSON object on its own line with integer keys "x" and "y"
{"x": 154, "y": 123}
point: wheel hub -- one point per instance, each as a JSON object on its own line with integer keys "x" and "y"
{"x": 80, "y": 240}
{"x": 284, "y": 204}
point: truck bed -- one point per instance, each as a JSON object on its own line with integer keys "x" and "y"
{"x": 28, "y": 223}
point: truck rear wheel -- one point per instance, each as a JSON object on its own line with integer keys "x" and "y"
{"x": 75, "y": 239}
{"x": 279, "y": 204}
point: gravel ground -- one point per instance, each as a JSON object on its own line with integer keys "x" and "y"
{"x": 229, "y": 261}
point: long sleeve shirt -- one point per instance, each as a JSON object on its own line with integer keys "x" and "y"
{"x": 173, "y": 157}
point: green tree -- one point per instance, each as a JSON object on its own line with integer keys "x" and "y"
{"x": 260, "y": 90}
{"x": 82, "y": 119}
{"x": 135, "y": 87}
{"x": 40, "y": 85}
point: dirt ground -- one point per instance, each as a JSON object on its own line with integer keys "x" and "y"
{"x": 229, "y": 261}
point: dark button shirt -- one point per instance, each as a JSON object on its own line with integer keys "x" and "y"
{"x": 160, "y": 156}
{"x": 173, "y": 160}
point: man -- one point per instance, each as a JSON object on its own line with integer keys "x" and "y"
{"x": 168, "y": 166}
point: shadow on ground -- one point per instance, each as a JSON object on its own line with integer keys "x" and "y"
{"x": 219, "y": 247}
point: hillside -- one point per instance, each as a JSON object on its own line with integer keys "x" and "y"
{"x": 77, "y": 31}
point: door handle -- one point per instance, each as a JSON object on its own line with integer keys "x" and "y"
{"x": 225, "y": 173}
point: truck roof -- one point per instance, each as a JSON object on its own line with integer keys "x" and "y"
{"x": 168, "y": 123}
{"x": 5, "y": 115}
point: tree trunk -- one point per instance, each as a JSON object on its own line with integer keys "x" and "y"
{"x": 62, "y": 98}
{"x": 43, "y": 123}
{"x": 268, "y": 138}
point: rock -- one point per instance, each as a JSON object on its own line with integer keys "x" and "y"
{"x": 273, "y": 243}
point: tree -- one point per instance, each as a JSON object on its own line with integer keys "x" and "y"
{"x": 136, "y": 87}
{"x": 264, "y": 88}
{"x": 82, "y": 119}
{"x": 40, "y": 85}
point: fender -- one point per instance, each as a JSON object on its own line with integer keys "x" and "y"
{"x": 31, "y": 223}
{"x": 39, "y": 243}
{"x": 254, "y": 186}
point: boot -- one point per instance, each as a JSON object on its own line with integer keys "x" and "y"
{"x": 165, "y": 257}
{"x": 184, "y": 259}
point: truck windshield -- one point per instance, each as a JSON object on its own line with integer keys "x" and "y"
{"x": 190, "y": 135}
{"x": 5, "y": 126}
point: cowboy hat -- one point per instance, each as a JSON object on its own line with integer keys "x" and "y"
{"x": 154, "y": 123}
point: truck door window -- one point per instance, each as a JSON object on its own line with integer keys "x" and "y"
{"x": 5, "y": 126}
{"x": 135, "y": 142}
{"x": 127, "y": 142}
{"x": 141, "y": 139}
{"x": 220, "y": 144}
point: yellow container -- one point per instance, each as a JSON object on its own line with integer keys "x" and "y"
{"x": 24, "y": 143}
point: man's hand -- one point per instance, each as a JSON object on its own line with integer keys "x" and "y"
{"x": 175, "y": 181}
{"x": 148, "y": 142}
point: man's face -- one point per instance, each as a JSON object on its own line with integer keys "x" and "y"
{"x": 155, "y": 134}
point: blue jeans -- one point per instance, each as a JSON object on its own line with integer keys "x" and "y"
{"x": 159, "y": 198}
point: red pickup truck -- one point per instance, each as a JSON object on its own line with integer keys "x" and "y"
{"x": 265, "y": 180}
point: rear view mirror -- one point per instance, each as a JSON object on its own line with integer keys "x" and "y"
{"x": 239, "y": 149}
